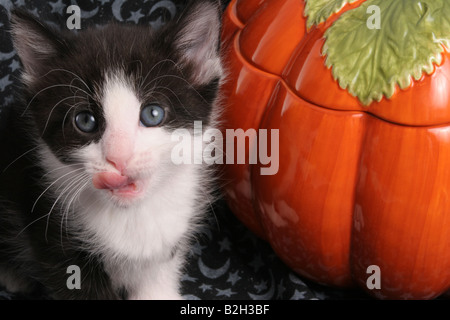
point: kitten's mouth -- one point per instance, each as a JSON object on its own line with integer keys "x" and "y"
{"x": 117, "y": 184}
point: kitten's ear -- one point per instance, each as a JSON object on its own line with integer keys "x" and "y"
{"x": 35, "y": 42}
{"x": 197, "y": 39}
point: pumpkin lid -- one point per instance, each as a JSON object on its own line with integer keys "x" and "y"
{"x": 385, "y": 57}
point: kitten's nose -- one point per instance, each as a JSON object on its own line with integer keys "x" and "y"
{"x": 118, "y": 147}
{"x": 117, "y": 163}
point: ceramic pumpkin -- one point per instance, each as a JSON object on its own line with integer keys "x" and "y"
{"x": 359, "y": 92}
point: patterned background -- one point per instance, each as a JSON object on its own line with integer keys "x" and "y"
{"x": 227, "y": 261}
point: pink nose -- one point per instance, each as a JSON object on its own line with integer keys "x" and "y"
{"x": 118, "y": 148}
{"x": 118, "y": 163}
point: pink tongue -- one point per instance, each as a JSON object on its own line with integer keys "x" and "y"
{"x": 109, "y": 180}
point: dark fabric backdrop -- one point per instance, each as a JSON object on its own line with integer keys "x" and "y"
{"x": 228, "y": 261}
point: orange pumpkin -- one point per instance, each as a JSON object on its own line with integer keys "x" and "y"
{"x": 362, "y": 181}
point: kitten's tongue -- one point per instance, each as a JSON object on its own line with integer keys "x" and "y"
{"x": 110, "y": 180}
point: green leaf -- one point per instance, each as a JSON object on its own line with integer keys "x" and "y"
{"x": 319, "y": 11}
{"x": 370, "y": 62}
{"x": 440, "y": 10}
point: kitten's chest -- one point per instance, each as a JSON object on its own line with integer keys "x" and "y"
{"x": 147, "y": 231}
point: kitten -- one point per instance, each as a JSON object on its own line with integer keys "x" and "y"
{"x": 86, "y": 173}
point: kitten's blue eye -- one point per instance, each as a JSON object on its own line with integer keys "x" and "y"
{"x": 85, "y": 121}
{"x": 152, "y": 115}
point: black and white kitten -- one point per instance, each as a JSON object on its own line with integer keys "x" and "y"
{"x": 87, "y": 178}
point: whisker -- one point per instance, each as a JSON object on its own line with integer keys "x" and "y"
{"x": 31, "y": 223}
{"x": 70, "y": 184}
{"x": 210, "y": 205}
{"x": 65, "y": 116}
{"x": 151, "y": 70}
{"x": 73, "y": 193}
{"x": 51, "y": 87}
{"x": 83, "y": 183}
{"x": 176, "y": 96}
{"x": 72, "y": 73}
{"x": 60, "y": 168}
{"x": 180, "y": 78}
{"x": 40, "y": 196}
{"x": 51, "y": 112}
{"x": 171, "y": 104}
{"x": 45, "y": 215}
{"x": 79, "y": 180}
{"x": 80, "y": 190}
{"x": 140, "y": 68}
{"x": 75, "y": 94}
{"x": 22, "y": 155}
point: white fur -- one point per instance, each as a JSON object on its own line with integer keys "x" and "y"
{"x": 136, "y": 240}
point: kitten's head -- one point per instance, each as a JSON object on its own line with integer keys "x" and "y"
{"x": 103, "y": 102}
